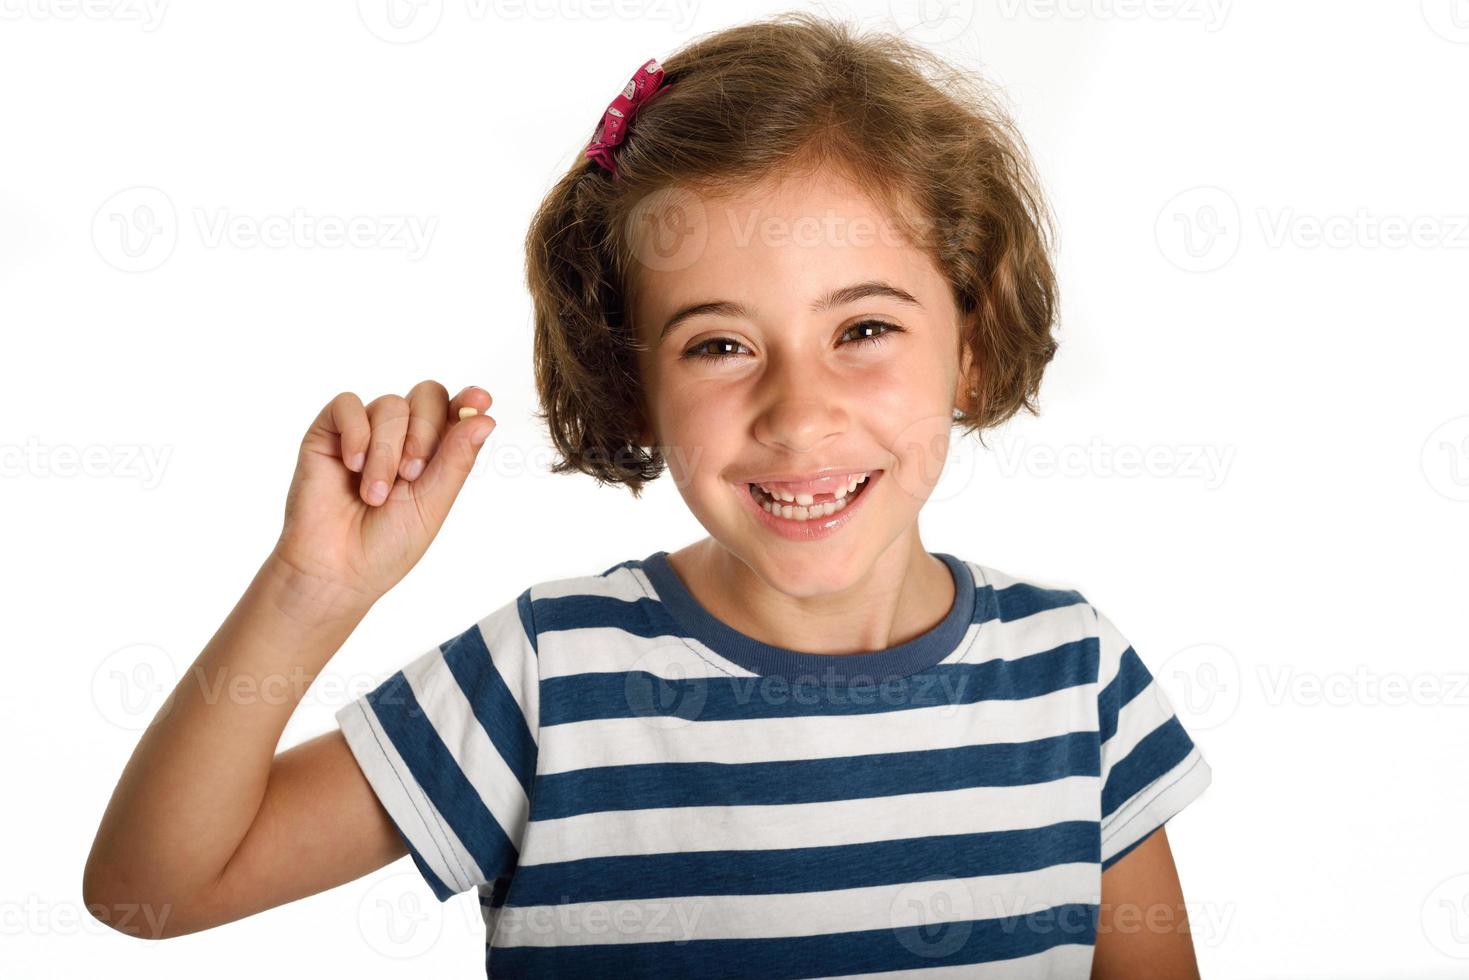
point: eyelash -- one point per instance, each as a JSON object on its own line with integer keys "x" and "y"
{"x": 874, "y": 339}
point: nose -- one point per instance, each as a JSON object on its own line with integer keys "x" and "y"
{"x": 802, "y": 407}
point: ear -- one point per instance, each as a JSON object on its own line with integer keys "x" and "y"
{"x": 645, "y": 432}
{"x": 646, "y": 436}
{"x": 966, "y": 394}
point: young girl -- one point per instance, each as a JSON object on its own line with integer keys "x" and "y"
{"x": 790, "y": 261}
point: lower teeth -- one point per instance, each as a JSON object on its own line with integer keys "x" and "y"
{"x": 796, "y": 513}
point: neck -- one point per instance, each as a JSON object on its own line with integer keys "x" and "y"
{"x": 904, "y": 593}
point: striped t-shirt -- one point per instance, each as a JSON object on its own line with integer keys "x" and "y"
{"x": 636, "y": 788}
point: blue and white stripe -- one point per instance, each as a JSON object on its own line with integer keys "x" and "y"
{"x": 634, "y": 787}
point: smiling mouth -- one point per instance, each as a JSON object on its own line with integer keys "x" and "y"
{"x": 823, "y": 505}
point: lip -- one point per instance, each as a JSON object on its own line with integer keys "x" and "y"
{"x": 810, "y": 530}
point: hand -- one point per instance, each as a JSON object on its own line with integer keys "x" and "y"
{"x": 362, "y": 533}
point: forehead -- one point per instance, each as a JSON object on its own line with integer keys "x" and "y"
{"x": 773, "y": 244}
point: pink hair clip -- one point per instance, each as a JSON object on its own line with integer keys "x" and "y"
{"x": 610, "y": 131}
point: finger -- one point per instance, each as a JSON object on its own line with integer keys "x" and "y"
{"x": 345, "y": 418}
{"x": 388, "y": 416}
{"x": 471, "y": 397}
{"x": 428, "y": 409}
{"x": 446, "y": 472}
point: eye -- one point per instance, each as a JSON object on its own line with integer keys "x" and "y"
{"x": 874, "y": 339}
{"x": 696, "y": 350}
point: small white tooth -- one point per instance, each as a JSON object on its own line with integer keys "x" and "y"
{"x": 803, "y": 513}
{"x": 807, "y": 499}
{"x": 794, "y": 508}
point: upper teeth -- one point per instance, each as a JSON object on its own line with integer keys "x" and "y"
{"x": 806, "y": 499}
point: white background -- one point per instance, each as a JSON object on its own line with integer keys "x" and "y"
{"x": 1291, "y": 565}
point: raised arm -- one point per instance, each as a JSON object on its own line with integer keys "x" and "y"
{"x": 208, "y": 823}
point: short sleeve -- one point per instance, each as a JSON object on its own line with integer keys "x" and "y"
{"x": 449, "y": 745}
{"x": 1150, "y": 767}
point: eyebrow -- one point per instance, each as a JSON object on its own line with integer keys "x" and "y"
{"x": 837, "y": 297}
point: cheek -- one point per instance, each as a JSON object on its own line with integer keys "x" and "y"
{"x": 695, "y": 422}
{"x": 915, "y": 426}
{"x": 907, "y": 388}
{"x": 921, "y": 448}
{"x": 686, "y": 406}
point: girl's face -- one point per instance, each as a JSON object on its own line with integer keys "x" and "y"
{"x": 792, "y": 331}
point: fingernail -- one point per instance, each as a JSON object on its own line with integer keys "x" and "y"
{"x": 355, "y": 463}
{"x": 411, "y": 471}
{"x": 377, "y": 492}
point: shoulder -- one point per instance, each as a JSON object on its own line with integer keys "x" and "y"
{"x": 615, "y": 596}
{"x": 623, "y": 582}
{"x": 1039, "y": 613}
{"x": 1056, "y": 611}
{"x": 1016, "y": 596}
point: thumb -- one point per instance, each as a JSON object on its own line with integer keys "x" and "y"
{"x": 439, "y": 485}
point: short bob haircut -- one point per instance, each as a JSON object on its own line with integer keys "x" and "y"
{"x": 776, "y": 97}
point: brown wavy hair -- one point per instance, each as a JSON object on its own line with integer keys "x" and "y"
{"x": 775, "y": 97}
